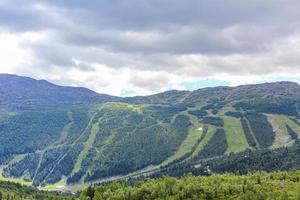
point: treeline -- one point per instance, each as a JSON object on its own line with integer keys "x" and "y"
{"x": 261, "y": 128}
{"x": 15, "y": 191}
{"x": 247, "y": 132}
{"x": 271, "y": 104}
{"x": 257, "y": 186}
{"x": 215, "y": 147}
{"x": 282, "y": 159}
{"x": 256, "y": 123}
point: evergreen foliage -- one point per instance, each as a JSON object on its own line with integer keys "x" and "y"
{"x": 292, "y": 133}
{"x": 247, "y": 132}
{"x": 15, "y": 191}
{"x": 216, "y": 146}
{"x": 257, "y": 186}
{"x": 261, "y": 128}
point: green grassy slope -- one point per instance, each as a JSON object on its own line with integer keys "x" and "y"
{"x": 207, "y": 137}
{"x": 235, "y": 135}
{"x": 187, "y": 145}
{"x": 87, "y": 146}
{"x": 283, "y": 120}
{"x": 282, "y": 137}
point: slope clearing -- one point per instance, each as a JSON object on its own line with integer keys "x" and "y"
{"x": 188, "y": 144}
{"x": 280, "y": 123}
{"x": 235, "y": 135}
{"x": 210, "y": 132}
{"x": 87, "y": 146}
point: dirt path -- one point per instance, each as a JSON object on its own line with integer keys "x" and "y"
{"x": 281, "y": 139}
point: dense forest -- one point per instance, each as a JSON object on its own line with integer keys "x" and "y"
{"x": 253, "y": 186}
{"x": 256, "y": 186}
{"x": 281, "y": 159}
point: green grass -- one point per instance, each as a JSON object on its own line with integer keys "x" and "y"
{"x": 15, "y": 180}
{"x": 87, "y": 146}
{"x": 294, "y": 126}
{"x": 281, "y": 121}
{"x": 211, "y": 130}
{"x": 226, "y": 109}
{"x": 187, "y": 144}
{"x": 282, "y": 137}
{"x": 235, "y": 136}
{"x": 65, "y": 130}
{"x": 190, "y": 141}
{"x": 118, "y": 105}
{"x": 15, "y": 191}
{"x": 61, "y": 183}
{"x": 17, "y": 158}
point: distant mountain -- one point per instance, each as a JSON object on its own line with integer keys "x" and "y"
{"x": 50, "y": 133}
{"x": 23, "y": 93}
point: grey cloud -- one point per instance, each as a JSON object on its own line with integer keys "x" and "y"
{"x": 144, "y": 14}
{"x": 182, "y": 27}
{"x": 152, "y": 83}
{"x": 191, "y": 37}
{"x": 184, "y": 40}
{"x": 49, "y": 54}
{"x": 20, "y": 16}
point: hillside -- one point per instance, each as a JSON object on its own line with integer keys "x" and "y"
{"x": 27, "y": 94}
{"x": 14, "y": 191}
{"x": 69, "y": 137}
{"x": 274, "y": 186}
{"x": 259, "y": 185}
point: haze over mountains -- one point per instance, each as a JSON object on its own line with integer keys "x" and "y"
{"x": 50, "y": 133}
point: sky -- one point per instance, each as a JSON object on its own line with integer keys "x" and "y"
{"x": 140, "y": 47}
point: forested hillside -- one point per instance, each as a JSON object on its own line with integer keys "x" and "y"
{"x": 274, "y": 186}
{"x": 66, "y": 136}
{"x": 14, "y": 191}
{"x": 254, "y": 186}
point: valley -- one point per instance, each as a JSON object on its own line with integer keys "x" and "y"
{"x": 69, "y": 141}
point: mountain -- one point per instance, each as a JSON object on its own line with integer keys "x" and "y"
{"x": 51, "y": 134}
{"x": 22, "y": 93}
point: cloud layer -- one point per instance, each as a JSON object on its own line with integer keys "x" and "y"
{"x": 147, "y": 46}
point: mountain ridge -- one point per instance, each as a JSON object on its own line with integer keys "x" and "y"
{"x": 282, "y": 83}
{"x": 55, "y": 134}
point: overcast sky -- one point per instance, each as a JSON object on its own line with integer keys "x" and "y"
{"x": 137, "y": 47}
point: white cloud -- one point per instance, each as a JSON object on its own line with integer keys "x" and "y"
{"x": 112, "y": 47}
{"x": 12, "y": 55}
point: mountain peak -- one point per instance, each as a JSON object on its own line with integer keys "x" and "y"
{"x": 20, "y": 92}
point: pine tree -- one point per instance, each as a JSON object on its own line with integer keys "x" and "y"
{"x": 90, "y": 192}
{"x": 298, "y": 192}
{"x": 284, "y": 196}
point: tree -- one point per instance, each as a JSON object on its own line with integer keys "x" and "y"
{"x": 298, "y": 192}
{"x": 284, "y": 196}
